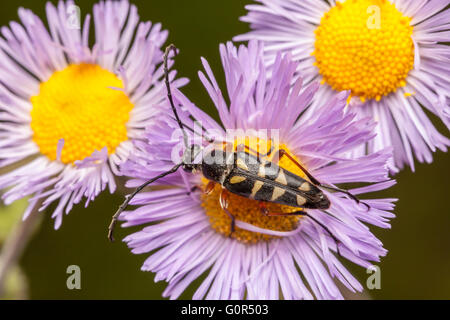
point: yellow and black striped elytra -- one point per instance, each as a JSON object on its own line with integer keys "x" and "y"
{"x": 244, "y": 174}
{"x": 261, "y": 180}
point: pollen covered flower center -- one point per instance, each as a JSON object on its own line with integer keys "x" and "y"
{"x": 364, "y": 46}
{"x": 248, "y": 210}
{"x": 78, "y": 104}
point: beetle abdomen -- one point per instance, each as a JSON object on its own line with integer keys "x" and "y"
{"x": 253, "y": 179}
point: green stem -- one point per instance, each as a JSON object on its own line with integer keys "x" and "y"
{"x": 16, "y": 243}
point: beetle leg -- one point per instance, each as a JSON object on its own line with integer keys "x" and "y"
{"x": 263, "y": 208}
{"x": 210, "y": 187}
{"x": 189, "y": 187}
{"x": 193, "y": 189}
{"x": 266, "y": 212}
{"x": 224, "y": 202}
{"x": 316, "y": 182}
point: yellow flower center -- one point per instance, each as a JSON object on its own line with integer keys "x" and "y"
{"x": 78, "y": 105}
{"x": 364, "y": 46}
{"x": 248, "y": 210}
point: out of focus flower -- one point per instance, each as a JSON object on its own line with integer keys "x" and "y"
{"x": 390, "y": 54}
{"x": 68, "y": 111}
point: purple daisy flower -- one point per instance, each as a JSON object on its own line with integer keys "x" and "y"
{"x": 68, "y": 112}
{"x": 390, "y": 54}
{"x": 266, "y": 257}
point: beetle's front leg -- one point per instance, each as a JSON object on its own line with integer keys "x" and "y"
{"x": 209, "y": 187}
{"x": 224, "y": 202}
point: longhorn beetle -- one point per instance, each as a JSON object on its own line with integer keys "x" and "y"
{"x": 247, "y": 175}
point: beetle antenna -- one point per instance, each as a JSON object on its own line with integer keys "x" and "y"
{"x": 128, "y": 198}
{"x": 204, "y": 132}
{"x": 172, "y": 47}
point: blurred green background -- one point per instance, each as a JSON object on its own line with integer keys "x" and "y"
{"x": 418, "y": 263}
